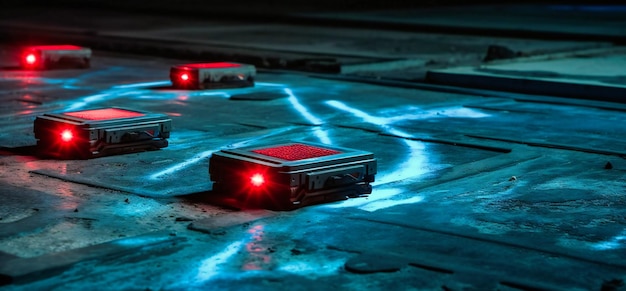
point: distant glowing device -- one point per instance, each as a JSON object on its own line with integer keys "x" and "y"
{"x": 99, "y": 132}
{"x": 288, "y": 176}
{"x": 212, "y": 75}
{"x": 55, "y": 57}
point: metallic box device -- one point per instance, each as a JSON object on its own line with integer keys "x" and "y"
{"x": 99, "y": 132}
{"x": 55, "y": 57}
{"x": 212, "y": 75}
{"x": 288, "y": 176}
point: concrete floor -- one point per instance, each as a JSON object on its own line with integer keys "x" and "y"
{"x": 476, "y": 190}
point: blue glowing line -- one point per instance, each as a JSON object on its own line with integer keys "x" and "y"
{"x": 71, "y": 87}
{"x": 358, "y": 113}
{"x": 87, "y": 100}
{"x": 383, "y": 199}
{"x": 203, "y": 155}
{"x": 209, "y": 266}
{"x": 301, "y": 109}
{"x": 458, "y": 112}
{"x": 185, "y": 164}
{"x": 223, "y": 94}
{"x": 321, "y": 134}
{"x": 139, "y": 241}
{"x": 380, "y": 195}
{"x": 248, "y": 141}
{"x": 312, "y": 267}
{"x": 614, "y": 243}
{"x": 382, "y": 204}
{"x": 145, "y": 84}
{"x": 268, "y": 84}
{"x": 415, "y": 165}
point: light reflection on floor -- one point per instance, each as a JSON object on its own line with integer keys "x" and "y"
{"x": 615, "y": 242}
{"x": 321, "y": 134}
{"x": 210, "y": 267}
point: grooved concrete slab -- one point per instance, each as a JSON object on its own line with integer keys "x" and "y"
{"x": 595, "y": 76}
{"x": 24, "y": 270}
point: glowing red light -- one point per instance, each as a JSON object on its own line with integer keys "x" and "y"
{"x": 67, "y": 135}
{"x": 257, "y": 180}
{"x": 184, "y": 77}
{"x": 104, "y": 114}
{"x": 31, "y": 59}
{"x": 296, "y": 152}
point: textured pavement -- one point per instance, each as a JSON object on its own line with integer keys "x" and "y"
{"x": 476, "y": 189}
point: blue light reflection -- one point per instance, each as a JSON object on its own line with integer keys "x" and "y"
{"x": 209, "y": 267}
{"x": 321, "y": 134}
{"x": 204, "y": 155}
{"x": 143, "y": 85}
{"x": 416, "y": 163}
{"x": 198, "y": 157}
{"x": 301, "y": 109}
{"x": 614, "y": 243}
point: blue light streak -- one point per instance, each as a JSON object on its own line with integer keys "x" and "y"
{"x": 209, "y": 267}
{"x": 382, "y": 200}
{"x": 321, "y": 134}
{"x": 414, "y": 166}
{"x": 85, "y": 101}
{"x": 143, "y": 85}
{"x": 143, "y": 90}
{"x": 382, "y": 204}
{"x": 301, "y": 109}
{"x": 204, "y": 155}
{"x": 265, "y": 84}
{"x": 358, "y": 113}
{"x": 139, "y": 241}
{"x": 614, "y": 243}
{"x": 183, "y": 165}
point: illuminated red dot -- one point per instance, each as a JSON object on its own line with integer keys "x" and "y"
{"x": 31, "y": 59}
{"x": 184, "y": 76}
{"x": 67, "y": 135}
{"x": 257, "y": 180}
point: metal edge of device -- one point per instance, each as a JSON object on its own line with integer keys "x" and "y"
{"x": 52, "y": 58}
{"x": 212, "y": 78}
{"x": 309, "y": 181}
{"x": 105, "y": 137}
{"x": 344, "y": 155}
{"x": 63, "y": 117}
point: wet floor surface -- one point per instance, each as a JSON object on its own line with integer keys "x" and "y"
{"x": 475, "y": 190}
{"x": 472, "y": 191}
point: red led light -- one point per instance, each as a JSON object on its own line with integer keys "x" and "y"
{"x": 296, "y": 152}
{"x": 31, "y": 59}
{"x": 257, "y": 180}
{"x": 184, "y": 76}
{"x": 67, "y": 135}
{"x": 104, "y": 114}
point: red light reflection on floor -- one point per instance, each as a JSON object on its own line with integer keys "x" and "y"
{"x": 258, "y": 251}
{"x": 69, "y": 201}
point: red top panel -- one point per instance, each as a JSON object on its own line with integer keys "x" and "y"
{"x": 296, "y": 152}
{"x": 64, "y": 47}
{"x": 104, "y": 114}
{"x": 220, "y": 65}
